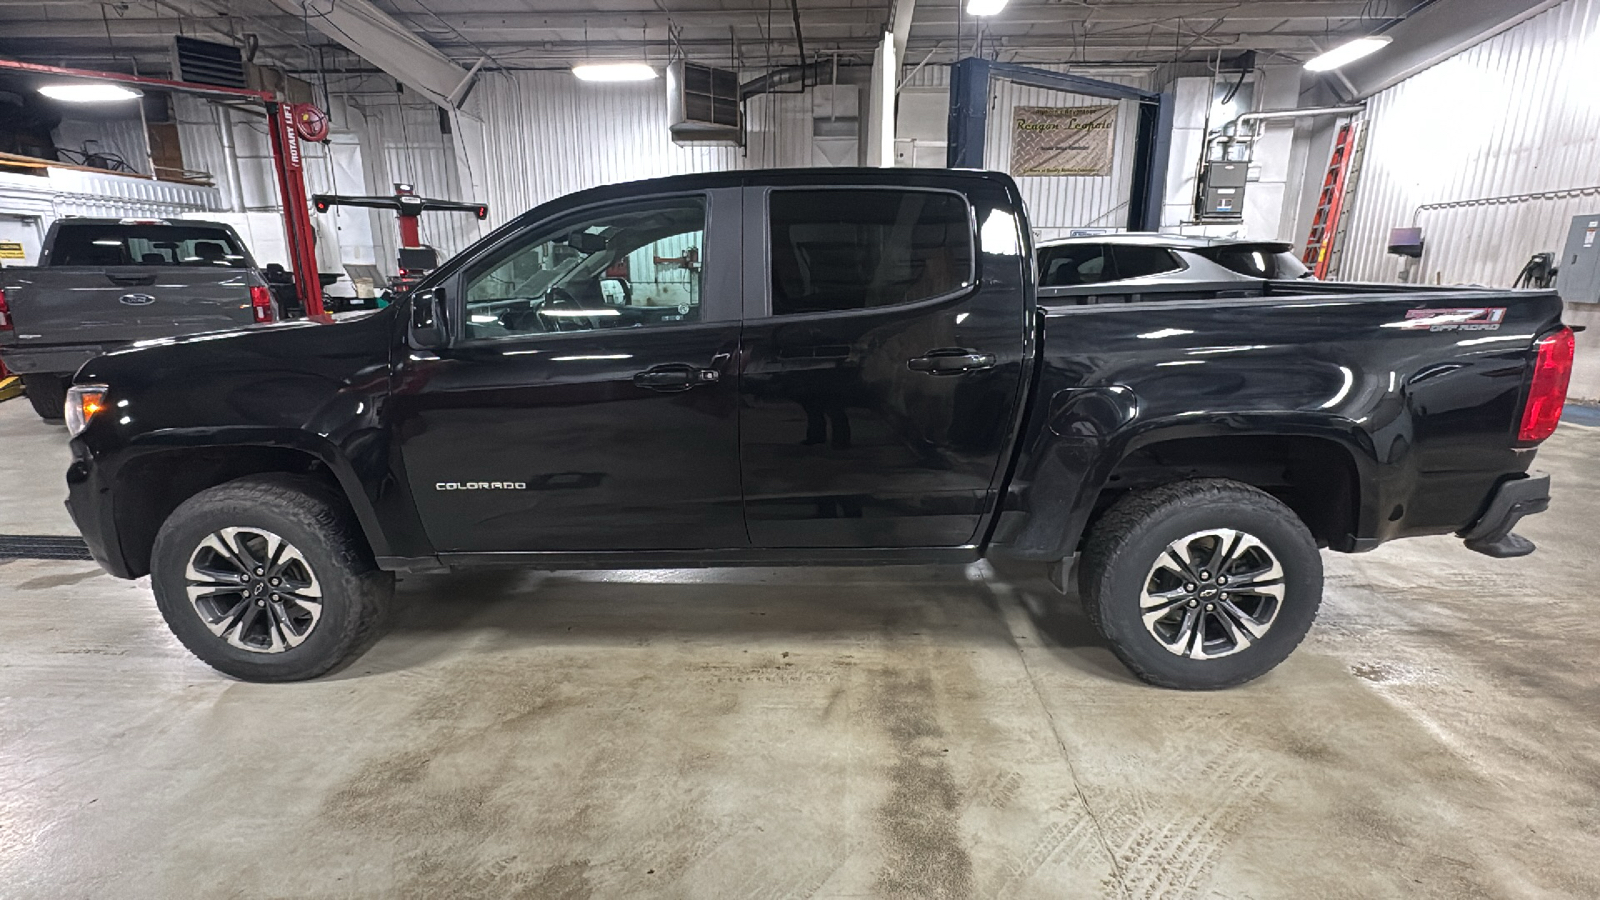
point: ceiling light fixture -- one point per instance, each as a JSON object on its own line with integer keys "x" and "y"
{"x": 1347, "y": 53}
{"x": 613, "y": 71}
{"x": 89, "y": 92}
{"x": 985, "y": 7}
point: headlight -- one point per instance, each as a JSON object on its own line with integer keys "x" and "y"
{"x": 84, "y": 402}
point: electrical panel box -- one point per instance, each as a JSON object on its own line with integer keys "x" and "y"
{"x": 1578, "y": 272}
{"x": 1222, "y": 196}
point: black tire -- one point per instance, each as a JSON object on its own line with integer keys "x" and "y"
{"x": 48, "y": 394}
{"x": 312, "y": 519}
{"x": 1126, "y": 556}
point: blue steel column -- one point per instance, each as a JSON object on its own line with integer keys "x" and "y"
{"x": 969, "y": 113}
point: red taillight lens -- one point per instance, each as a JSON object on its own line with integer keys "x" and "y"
{"x": 5, "y": 312}
{"x": 1547, "y": 394}
{"x": 261, "y": 304}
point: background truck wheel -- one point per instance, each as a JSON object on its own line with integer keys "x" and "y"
{"x": 268, "y": 578}
{"x": 1201, "y": 584}
{"x": 48, "y": 394}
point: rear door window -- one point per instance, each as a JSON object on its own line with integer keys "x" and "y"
{"x": 1074, "y": 264}
{"x": 835, "y": 250}
{"x": 1134, "y": 261}
{"x": 146, "y": 245}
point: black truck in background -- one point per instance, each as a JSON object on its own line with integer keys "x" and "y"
{"x": 813, "y": 367}
{"x": 102, "y": 284}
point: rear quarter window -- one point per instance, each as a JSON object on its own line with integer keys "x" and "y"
{"x": 1259, "y": 262}
{"x": 1134, "y": 261}
{"x": 195, "y": 246}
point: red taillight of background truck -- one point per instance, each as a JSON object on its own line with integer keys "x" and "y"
{"x": 5, "y": 312}
{"x": 1547, "y": 394}
{"x": 261, "y": 304}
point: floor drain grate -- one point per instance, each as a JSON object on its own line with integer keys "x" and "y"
{"x": 42, "y": 546}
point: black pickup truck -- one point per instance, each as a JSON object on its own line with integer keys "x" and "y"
{"x": 812, "y": 367}
{"x": 102, "y": 284}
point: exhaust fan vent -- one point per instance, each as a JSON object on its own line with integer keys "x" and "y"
{"x": 703, "y": 104}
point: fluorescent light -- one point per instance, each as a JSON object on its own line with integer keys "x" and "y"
{"x": 614, "y": 72}
{"x": 985, "y": 7}
{"x": 1347, "y": 53}
{"x": 93, "y": 92}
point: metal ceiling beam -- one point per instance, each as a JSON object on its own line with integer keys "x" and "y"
{"x": 1433, "y": 35}
{"x": 381, "y": 40}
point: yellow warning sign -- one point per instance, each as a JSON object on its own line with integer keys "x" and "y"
{"x": 11, "y": 250}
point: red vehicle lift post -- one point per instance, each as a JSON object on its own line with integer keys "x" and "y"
{"x": 286, "y": 164}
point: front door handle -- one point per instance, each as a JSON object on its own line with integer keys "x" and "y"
{"x": 955, "y": 361}
{"x": 674, "y": 377}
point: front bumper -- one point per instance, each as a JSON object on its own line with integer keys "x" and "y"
{"x": 1491, "y": 534}
{"x": 89, "y": 504}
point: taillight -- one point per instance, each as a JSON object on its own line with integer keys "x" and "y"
{"x": 261, "y": 304}
{"x": 5, "y": 312}
{"x": 1547, "y": 394}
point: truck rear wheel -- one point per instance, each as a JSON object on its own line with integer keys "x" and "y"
{"x": 268, "y": 578}
{"x": 48, "y": 394}
{"x": 1201, "y": 584}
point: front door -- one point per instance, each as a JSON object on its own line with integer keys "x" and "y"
{"x": 588, "y": 400}
{"x": 883, "y": 369}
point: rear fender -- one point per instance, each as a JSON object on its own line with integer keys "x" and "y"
{"x": 1086, "y": 438}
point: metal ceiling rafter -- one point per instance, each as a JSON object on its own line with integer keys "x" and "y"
{"x": 384, "y": 41}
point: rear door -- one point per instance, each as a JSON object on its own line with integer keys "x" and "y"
{"x": 883, "y": 362}
{"x": 115, "y": 282}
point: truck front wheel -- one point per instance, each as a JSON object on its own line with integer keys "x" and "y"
{"x": 48, "y": 394}
{"x": 268, "y": 578}
{"x": 1201, "y": 584}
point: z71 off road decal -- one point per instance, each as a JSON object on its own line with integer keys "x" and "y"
{"x": 1478, "y": 318}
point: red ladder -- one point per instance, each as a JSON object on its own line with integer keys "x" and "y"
{"x": 1330, "y": 203}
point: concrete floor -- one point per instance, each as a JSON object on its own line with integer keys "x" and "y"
{"x": 920, "y": 733}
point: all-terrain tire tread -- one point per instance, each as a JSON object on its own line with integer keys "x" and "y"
{"x": 1121, "y": 524}
{"x": 323, "y": 511}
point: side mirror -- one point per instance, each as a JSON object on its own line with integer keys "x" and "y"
{"x": 427, "y": 329}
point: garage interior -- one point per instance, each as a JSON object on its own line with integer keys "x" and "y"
{"x": 918, "y": 732}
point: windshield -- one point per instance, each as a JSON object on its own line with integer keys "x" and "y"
{"x": 146, "y": 245}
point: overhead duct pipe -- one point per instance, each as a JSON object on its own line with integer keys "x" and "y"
{"x": 809, "y": 74}
{"x": 1227, "y": 133}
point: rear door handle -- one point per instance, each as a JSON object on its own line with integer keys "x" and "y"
{"x": 131, "y": 280}
{"x": 674, "y": 377}
{"x": 951, "y": 362}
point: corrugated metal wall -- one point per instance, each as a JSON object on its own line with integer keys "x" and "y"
{"x": 1057, "y": 204}
{"x": 550, "y": 134}
{"x": 1518, "y": 117}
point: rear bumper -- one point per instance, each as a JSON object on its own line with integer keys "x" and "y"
{"x": 89, "y": 504}
{"x": 1491, "y": 534}
{"x": 58, "y": 360}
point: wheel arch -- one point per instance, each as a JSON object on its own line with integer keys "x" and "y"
{"x": 156, "y": 476}
{"x": 1321, "y": 467}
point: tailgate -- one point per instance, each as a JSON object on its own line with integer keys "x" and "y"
{"x": 86, "y": 304}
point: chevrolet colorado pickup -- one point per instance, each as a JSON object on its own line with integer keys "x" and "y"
{"x": 102, "y": 284}
{"x": 812, "y": 367}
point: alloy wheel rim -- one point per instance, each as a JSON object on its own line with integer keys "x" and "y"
{"x": 254, "y": 590}
{"x": 1212, "y": 593}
